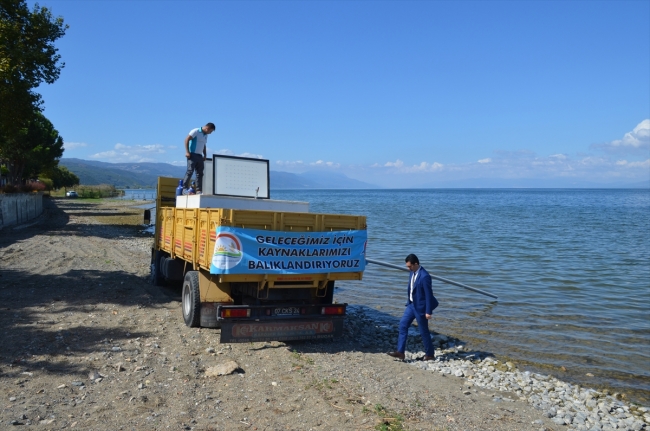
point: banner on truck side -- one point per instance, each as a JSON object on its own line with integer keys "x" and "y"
{"x": 252, "y": 251}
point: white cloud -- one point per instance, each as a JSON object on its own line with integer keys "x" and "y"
{"x": 320, "y": 163}
{"x": 250, "y": 155}
{"x": 290, "y": 163}
{"x": 428, "y": 167}
{"x": 590, "y": 168}
{"x": 638, "y": 140}
{"x": 399, "y": 167}
{"x": 397, "y": 164}
{"x": 228, "y": 152}
{"x": 510, "y": 166}
{"x": 69, "y": 146}
{"x": 132, "y": 154}
{"x": 641, "y": 164}
{"x": 503, "y": 165}
{"x": 594, "y": 161}
{"x": 639, "y": 137}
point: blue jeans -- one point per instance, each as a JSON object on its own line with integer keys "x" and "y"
{"x": 411, "y": 314}
{"x": 194, "y": 163}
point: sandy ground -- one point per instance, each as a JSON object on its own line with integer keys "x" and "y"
{"x": 87, "y": 343}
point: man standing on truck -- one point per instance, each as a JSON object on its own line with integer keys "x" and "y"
{"x": 419, "y": 306}
{"x": 195, "y": 151}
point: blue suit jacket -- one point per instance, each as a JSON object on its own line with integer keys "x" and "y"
{"x": 423, "y": 299}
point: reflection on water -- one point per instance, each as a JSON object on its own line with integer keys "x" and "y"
{"x": 570, "y": 267}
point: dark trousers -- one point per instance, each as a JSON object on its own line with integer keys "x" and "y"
{"x": 194, "y": 163}
{"x": 411, "y": 314}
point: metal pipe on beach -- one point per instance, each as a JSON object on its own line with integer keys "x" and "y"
{"x": 444, "y": 280}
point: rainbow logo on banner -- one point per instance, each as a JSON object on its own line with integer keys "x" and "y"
{"x": 228, "y": 251}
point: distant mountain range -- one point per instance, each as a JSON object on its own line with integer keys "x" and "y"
{"x": 316, "y": 180}
{"x": 532, "y": 183}
{"x": 144, "y": 175}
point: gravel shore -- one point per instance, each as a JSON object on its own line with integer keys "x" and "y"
{"x": 89, "y": 344}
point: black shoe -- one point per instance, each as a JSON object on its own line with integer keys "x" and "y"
{"x": 398, "y": 355}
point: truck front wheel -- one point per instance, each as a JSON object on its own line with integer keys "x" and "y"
{"x": 191, "y": 299}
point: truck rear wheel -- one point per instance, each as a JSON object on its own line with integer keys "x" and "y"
{"x": 157, "y": 278}
{"x": 191, "y": 299}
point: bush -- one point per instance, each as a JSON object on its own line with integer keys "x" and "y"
{"x": 49, "y": 184}
{"x": 96, "y": 192}
{"x": 29, "y": 187}
{"x": 9, "y": 188}
{"x": 33, "y": 186}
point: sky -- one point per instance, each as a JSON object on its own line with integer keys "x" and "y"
{"x": 396, "y": 94}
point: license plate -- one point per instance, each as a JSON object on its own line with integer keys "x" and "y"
{"x": 286, "y": 311}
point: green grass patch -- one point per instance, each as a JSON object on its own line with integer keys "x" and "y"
{"x": 390, "y": 420}
{"x": 301, "y": 357}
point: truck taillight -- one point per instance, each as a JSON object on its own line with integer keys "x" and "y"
{"x": 236, "y": 312}
{"x": 332, "y": 310}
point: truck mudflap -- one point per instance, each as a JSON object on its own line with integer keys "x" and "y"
{"x": 245, "y": 331}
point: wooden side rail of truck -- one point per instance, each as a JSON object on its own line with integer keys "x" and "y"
{"x": 260, "y": 305}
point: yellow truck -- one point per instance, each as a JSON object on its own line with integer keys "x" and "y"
{"x": 259, "y": 269}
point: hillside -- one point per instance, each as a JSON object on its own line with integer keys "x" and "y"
{"x": 144, "y": 175}
{"x": 121, "y": 175}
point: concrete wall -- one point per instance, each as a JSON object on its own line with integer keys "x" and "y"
{"x": 17, "y": 208}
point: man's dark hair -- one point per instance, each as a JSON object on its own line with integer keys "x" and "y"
{"x": 412, "y": 259}
{"x": 211, "y": 126}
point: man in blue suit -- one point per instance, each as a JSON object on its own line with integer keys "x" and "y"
{"x": 419, "y": 306}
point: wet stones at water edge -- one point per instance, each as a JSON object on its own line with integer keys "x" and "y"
{"x": 565, "y": 404}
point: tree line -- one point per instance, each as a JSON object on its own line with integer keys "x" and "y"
{"x": 30, "y": 146}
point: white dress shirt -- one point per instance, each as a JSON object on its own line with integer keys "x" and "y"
{"x": 413, "y": 278}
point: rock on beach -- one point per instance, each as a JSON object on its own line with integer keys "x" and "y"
{"x": 224, "y": 369}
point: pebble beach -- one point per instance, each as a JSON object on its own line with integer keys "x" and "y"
{"x": 567, "y": 405}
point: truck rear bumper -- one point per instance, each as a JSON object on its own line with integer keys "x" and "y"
{"x": 313, "y": 328}
{"x": 273, "y": 322}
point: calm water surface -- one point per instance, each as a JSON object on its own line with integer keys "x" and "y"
{"x": 571, "y": 269}
{"x": 139, "y": 194}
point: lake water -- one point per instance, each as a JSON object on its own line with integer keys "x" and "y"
{"x": 139, "y": 194}
{"x": 571, "y": 269}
